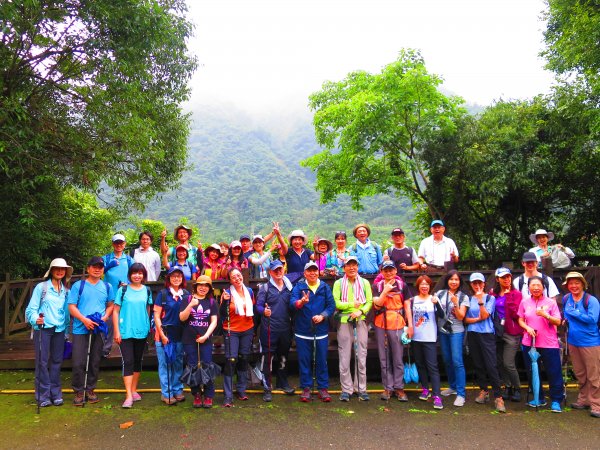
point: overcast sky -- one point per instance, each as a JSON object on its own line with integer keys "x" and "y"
{"x": 266, "y": 56}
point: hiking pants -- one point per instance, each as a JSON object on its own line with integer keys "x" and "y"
{"x": 346, "y": 352}
{"x": 79, "y": 358}
{"x": 483, "y": 354}
{"x": 47, "y": 363}
{"x": 427, "y": 365}
{"x": 390, "y": 360}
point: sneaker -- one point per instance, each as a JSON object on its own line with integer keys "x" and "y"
{"x": 460, "y": 401}
{"x": 306, "y": 395}
{"x": 437, "y": 402}
{"x": 578, "y": 405}
{"x": 425, "y": 395}
{"x": 324, "y": 395}
{"x": 197, "y": 401}
{"x": 228, "y": 403}
{"x": 483, "y": 397}
{"x": 169, "y": 400}
{"x": 241, "y": 396}
{"x": 555, "y": 407}
{"x": 136, "y": 397}
{"x": 534, "y": 404}
{"x": 58, "y": 402}
{"x": 267, "y": 396}
{"x": 128, "y": 403}
{"x": 385, "y": 395}
{"x": 448, "y": 392}
{"x": 402, "y": 397}
{"x": 45, "y": 404}
{"x": 344, "y": 397}
{"x": 499, "y": 405}
{"x": 516, "y": 395}
{"x": 207, "y": 403}
{"x": 595, "y": 414}
{"x": 288, "y": 390}
{"x": 92, "y": 397}
{"x": 78, "y": 400}
{"x": 363, "y": 397}
{"x": 179, "y": 397}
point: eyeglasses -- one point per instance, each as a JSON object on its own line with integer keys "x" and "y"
{"x": 340, "y": 233}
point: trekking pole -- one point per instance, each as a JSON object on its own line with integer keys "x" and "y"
{"x": 314, "y": 355}
{"x": 87, "y": 367}
{"x": 354, "y": 326}
{"x": 385, "y": 376}
{"x": 230, "y": 356}
{"x": 39, "y": 361}
{"x": 199, "y": 366}
{"x": 566, "y": 357}
{"x": 270, "y": 378}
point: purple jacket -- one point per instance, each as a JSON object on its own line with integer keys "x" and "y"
{"x": 511, "y": 308}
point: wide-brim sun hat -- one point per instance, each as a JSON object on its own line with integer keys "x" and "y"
{"x": 297, "y": 233}
{"x": 216, "y": 247}
{"x": 186, "y": 228}
{"x": 539, "y": 231}
{"x": 203, "y": 279}
{"x": 575, "y": 275}
{"x": 60, "y": 262}
{"x": 362, "y": 225}
{"x": 321, "y": 240}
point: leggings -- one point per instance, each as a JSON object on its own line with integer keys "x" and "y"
{"x": 132, "y": 351}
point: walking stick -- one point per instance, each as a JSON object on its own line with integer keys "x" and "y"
{"x": 387, "y": 350}
{"x": 87, "y": 367}
{"x": 270, "y": 378}
{"x": 314, "y": 368}
{"x": 199, "y": 367}
{"x": 39, "y": 360}
{"x": 230, "y": 356}
{"x": 566, "y": 357}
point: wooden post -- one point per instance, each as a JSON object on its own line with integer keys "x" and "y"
{"x": 6, "y": 318}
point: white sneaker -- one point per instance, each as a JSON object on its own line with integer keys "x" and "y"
{"x": 460, "y": 401}
{"x": 448, "y": 392}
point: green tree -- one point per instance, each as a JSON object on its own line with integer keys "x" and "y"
{"x": 90, "y": 96}
{"x": 372, "y": 128}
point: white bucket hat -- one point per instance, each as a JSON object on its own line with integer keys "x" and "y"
{"x": 532, "y": 237}
{"x": 297, "y": 233}
{"x": 60, "y": 262}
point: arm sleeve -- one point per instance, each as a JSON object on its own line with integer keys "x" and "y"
{"x": 329, "y": 303}
{"x": 259, "y": 261}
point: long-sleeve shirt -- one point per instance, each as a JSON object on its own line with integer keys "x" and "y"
{"x": 583, "y": 323}
{"x": 54, "y": 306}
{"x": 347, "y": 308}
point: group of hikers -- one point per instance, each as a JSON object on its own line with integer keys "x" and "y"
{"x": 293, "y": 303}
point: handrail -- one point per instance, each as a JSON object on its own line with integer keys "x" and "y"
{"x": 15, "y": 294}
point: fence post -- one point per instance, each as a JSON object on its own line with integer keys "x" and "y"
{"x": 6, "y": 318}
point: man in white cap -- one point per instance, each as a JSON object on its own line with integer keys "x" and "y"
{"x": 116, "y": 268}
{"x": 437, "y": 252}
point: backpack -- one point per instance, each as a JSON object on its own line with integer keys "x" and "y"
{"x": 586, "y": 304}
{"x": 545, "y": 282}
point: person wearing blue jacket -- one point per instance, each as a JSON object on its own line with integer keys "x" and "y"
{"x": 116, "y": 270}
{"x": 581, "y": 312}
{"x": 366, "y": 251}
{"x": 272, "y": 303}
{"x": 312, "y": 303}
{"x": 48, "y": 314}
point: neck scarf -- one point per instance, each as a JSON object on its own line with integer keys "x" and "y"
{"x": 357, "y": 287}
{"x": 176, "y": 294}
{"x": 243, "y": 305}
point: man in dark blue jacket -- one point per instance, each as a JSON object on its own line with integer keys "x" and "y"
{"x": 272, "y": 303}
{"x": 313, "y": 303}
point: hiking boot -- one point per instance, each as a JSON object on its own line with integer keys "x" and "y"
{"x": 578, "y": 405}
{"x": 324, "y": 395}
{"x": 425, "y": 395}
{"x": 92, "y": 397}
{"x": 228, "y": 403}
{"x": 385, "y": 395}
{"x": 78, "y": 400}
{"x": 483, "y": 397}
{"x": 306, "y": 395}
{"x": 460, "y": 401}
{"x": 179, "y": 397}
{"x": 555, "y": 407}
{"x": 57, "y": 402}
{"x": 207, "y": 403}
{"x": 402, "y": 397}
{"x": 267, "y": 396}
{"x": 197, "y": 401}
{"x": 363, "y": 397}
{"x": 437, "y": 402}
{"x": 448, "y": 392}
{"x": 344, "y": 397}
{"x": 499, "y": 404}
{"x": 516, "y": 395}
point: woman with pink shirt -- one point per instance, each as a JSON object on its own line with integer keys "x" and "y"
{"x": 539, "y": 316}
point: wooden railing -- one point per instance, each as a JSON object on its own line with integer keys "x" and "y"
{"x": 15, "y": 294}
